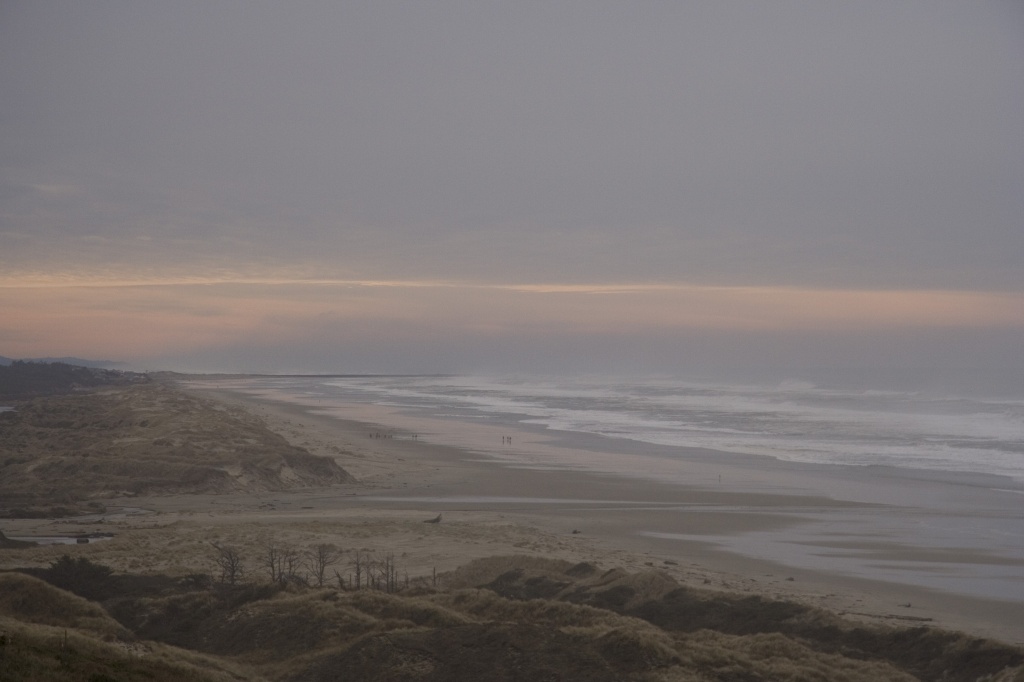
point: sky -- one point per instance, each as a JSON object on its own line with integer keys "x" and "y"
{"x": 477, "y": 186}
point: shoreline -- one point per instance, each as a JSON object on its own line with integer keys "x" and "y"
{"x": 636, "y": 523}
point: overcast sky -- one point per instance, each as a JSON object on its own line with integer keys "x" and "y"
{"x": 529, "y": 186}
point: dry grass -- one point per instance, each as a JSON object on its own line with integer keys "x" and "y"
{"x": 42, "y": 653}
{"x": 148, "y": 438}
{"x": 484, "y": 571}
{"x": 650, "y": 630}
{"x": 31, "y": 600}
{"x": 774, "y": 657}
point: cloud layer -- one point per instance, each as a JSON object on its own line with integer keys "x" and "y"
{"x": 622, "y": 171}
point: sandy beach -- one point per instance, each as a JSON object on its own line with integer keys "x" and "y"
{"x": 722, "y": 522}
{"x": 526, "y": 497}
{"x": 173, "y": 526}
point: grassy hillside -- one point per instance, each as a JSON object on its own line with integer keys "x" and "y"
{"x": 63, "y": 451}
{"x": 483, "y": 621}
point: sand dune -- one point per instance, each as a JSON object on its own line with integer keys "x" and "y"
{"x": 562, "y": 578}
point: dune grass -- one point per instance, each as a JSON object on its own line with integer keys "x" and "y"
{"x": 525, "y": 617}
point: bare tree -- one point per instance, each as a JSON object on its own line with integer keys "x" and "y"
{"x": 359, "y": 561}
{"x": 319, "y": 559}
{"x": 230, "y": 563}
{"x": 272, "y": 563}
{"x": 386, "y": 574}
{"x": 378, "y": 572}
{"x": 283, "y": 565}
{"x": 291, "y": 563}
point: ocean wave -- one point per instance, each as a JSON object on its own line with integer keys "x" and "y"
{"x": 794, "y": 420}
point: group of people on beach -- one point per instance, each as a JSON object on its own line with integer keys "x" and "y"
{"x": 377, "y": 434}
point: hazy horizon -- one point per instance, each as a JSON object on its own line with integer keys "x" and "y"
{"x": 735, "y": 189}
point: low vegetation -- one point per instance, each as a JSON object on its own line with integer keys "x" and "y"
{"x": 505, "y": 618}
{"x": 303, "y": 613}
{"x": 21, "y": 379}
{"x": 65, "y": 454}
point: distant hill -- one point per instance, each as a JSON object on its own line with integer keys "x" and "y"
{"x": 24, "y": 379}
{"x": 78, "y": 362}
{"x": 61, "y": 451}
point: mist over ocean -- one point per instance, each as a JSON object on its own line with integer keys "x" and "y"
{"x": 938, "y": 431}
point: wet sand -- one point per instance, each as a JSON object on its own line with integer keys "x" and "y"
{"x": 866, "y": 543}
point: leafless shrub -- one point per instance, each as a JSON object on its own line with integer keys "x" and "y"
{"x": 230, "y": 563}
{"x": 319, "y": 559}
{"x": 385, "y": 574}
{"x": 359, "y": 561}
{"x": 292, "y": 565}
{"x": 282, "y": 564}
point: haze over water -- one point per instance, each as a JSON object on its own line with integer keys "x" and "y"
{"x": 940, "y": 433}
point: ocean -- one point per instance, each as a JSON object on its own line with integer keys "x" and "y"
{"x": 929, "y": 432}
{"x": 936, "y": 479}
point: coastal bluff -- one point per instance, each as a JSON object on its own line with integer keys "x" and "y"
{"x": 145, "y": 438}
